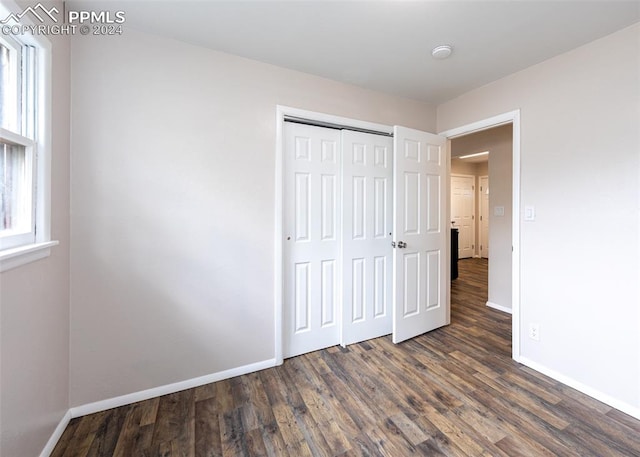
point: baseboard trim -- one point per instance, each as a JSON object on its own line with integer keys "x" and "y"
{"x": 604, "y": 398}
{"x": 95, "y": 407}
{"x": 504, "y": 309}
{"x": 57, "y": 434}
{"x": 123, "y": 400}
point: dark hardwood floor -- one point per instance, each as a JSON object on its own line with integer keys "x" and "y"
{"x": 453, "y": 392}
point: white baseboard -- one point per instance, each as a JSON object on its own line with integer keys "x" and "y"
{"x": 122, "y": 400}
{"x": 604, "y": 398}
{"x": 57, "y": 434}
{"x": 504, "y": 309}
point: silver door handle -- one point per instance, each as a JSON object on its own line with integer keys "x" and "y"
{"x": 393, "y": 244}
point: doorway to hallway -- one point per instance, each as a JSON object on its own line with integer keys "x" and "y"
{"x": 484, "y": 137}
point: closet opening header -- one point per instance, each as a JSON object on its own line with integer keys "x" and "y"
{"x": 330, "y": 125}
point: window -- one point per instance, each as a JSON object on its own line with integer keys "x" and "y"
{"x": 24, "y": 148}
{"x": 17, "y": 120}
{"x": 16, "y": 192}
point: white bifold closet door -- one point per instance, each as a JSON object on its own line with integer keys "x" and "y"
{"x": 366, "y": 236}
{"x": 347, "y": 197}
{"x": 312, "y": 229}
{"x": 420, "y": 226}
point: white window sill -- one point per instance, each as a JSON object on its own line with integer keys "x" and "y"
{"x": 15, "y": 257}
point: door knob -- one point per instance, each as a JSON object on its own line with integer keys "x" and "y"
{"x": 402, "y": 244}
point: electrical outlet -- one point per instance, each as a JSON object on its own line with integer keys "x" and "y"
{"x": 534, "y": 332}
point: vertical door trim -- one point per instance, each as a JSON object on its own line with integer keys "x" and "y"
{"x": 278, "y": 280}
{"x": 511, "y": 117}
{"x": 481, "y": 214}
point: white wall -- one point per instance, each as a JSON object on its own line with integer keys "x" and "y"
{"x": 34, "y": 307}
{"x": 499, "y": 142}
{"x": 580, "y": 169}
{"x": 173, "y": 170}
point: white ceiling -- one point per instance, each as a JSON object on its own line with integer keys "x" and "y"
{"x": 386, "y": 45}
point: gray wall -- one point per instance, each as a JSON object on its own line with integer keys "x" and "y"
{"x": 173, "y": 208}
{"x": 34, "y": 306}
{"x": 579, "y": 168}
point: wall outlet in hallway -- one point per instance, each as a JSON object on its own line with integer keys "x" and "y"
{"x": 534, "y": 332}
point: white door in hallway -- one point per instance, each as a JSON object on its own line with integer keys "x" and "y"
{"x": 420, "y": 230}
{"x": 484, "y": 217}
{"x": 463, "y": 213}
{"x": 312, "y": 270}
{"x": 367, "y": 220}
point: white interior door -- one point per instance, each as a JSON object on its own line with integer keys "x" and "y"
{"x": 367, "y": 221}
{"x": 420, "y": 229}
{"x": 484, "y": 217}
{"x": 312, "y": 272}
{"x": 462, "y": 213}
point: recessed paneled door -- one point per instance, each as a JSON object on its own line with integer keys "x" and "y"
{"x": 463, "y": 213}
{"x": 420, "y": 230}
{"x": 367, "y": 218}
{"x": 349, "y": 197}
{"x": 312, "y": 205}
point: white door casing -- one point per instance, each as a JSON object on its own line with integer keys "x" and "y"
{"x": 463, "y": 213}
{"x": 513, "y": 118}
{"x": 311, "y": 253}
{"x": 367, "y": 221}
{"x": 420, "y": 231}
{"x": 484, "y": 217}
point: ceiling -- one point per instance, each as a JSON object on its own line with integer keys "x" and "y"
{"x": 385, "y": 45}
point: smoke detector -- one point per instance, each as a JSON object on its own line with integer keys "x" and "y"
{"x": 441, "y": 52}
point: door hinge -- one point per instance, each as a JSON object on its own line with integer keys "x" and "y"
{"x": 480, "y": 217}
{"x": 472, "y": 217}
{"x": 473, "y": 246}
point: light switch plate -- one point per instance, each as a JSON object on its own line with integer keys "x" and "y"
{"x": 529, "y": 213}
{"x": 498, "y": 210}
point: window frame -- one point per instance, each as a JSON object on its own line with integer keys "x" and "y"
{"x": 25, "y": 234}
{"x": 15, "y": 81}
{"x": 39, "y": 245}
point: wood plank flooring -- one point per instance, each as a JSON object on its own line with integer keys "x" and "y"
{"x": 452, "y": 392}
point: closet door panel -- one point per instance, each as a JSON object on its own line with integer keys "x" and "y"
{"x": 366, "y": 244}
{"x": 312, "y": 212}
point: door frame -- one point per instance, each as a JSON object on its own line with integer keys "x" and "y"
{"x": 511, "y": 117}
{"x": 480, "y": 232}
{"x": 278, "y": 290}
